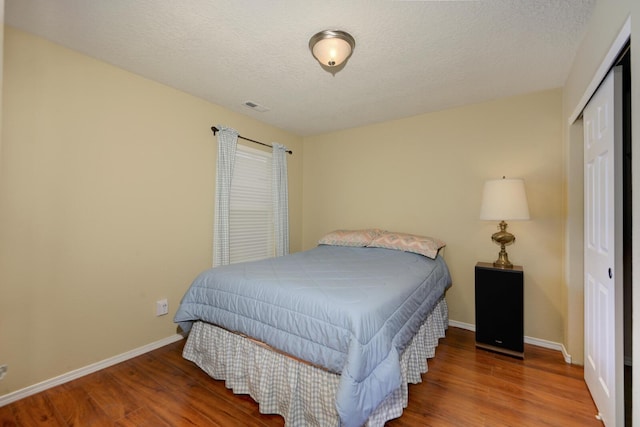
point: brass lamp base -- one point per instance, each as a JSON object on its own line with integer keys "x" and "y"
{"x": 503, "y": 238}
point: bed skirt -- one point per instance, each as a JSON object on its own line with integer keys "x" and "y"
{"x": 302, "y": 394}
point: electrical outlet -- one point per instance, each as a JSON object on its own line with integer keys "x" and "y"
{"x": 3, "y": 371}
{"x": 162, "y": 307}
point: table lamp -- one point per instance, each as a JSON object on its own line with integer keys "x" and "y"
{"x": 504, "y": 199}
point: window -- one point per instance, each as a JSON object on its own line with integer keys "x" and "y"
{"x": 251, "y": 207}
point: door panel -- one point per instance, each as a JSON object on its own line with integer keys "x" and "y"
{"x": 603, "y": 251}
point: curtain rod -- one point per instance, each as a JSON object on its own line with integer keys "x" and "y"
{"x": 215, "y": 129}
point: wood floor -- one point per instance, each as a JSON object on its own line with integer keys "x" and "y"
{"x": 464, "y": 387}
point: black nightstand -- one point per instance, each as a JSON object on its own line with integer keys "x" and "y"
{"x": 499, "y": 309}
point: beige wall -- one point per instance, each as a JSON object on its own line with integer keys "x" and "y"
{"x": 106, "y": 197}
{"x": 425, "y": 175}
{"x": 1, "y": 68}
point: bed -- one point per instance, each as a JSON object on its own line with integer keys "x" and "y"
{"x": 327, "y": 336}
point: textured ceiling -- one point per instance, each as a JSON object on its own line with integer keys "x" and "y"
{"x": 411, "y": 57}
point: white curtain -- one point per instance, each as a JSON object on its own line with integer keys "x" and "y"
{"x": 227, "y": 143}
{"x": 280, "y": 192}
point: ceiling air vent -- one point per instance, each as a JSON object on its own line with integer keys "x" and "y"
{"x": 255, "y": 106}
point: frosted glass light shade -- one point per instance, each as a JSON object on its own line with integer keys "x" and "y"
{"x": 331, "y": 48}
{"x": 504, "y": 199}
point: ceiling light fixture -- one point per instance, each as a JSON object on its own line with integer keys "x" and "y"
{"x": 332, "y": 47}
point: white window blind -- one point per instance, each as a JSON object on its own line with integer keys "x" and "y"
{"x": 251, "y": 207}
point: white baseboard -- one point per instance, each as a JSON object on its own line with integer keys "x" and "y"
{"x": 94, "y": 367}
{"x": 550, "y": 345}
{"x": 462, "y": 325}
{"x": 529, "y": 340}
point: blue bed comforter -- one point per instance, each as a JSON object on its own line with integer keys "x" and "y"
{"x": 350, "y": 310}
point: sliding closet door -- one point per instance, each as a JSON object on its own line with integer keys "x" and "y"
{"x": 603, "y": 309}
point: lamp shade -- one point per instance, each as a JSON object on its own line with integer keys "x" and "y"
{"x": 331, "y": 47}
{"x": 504, "y": 199}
